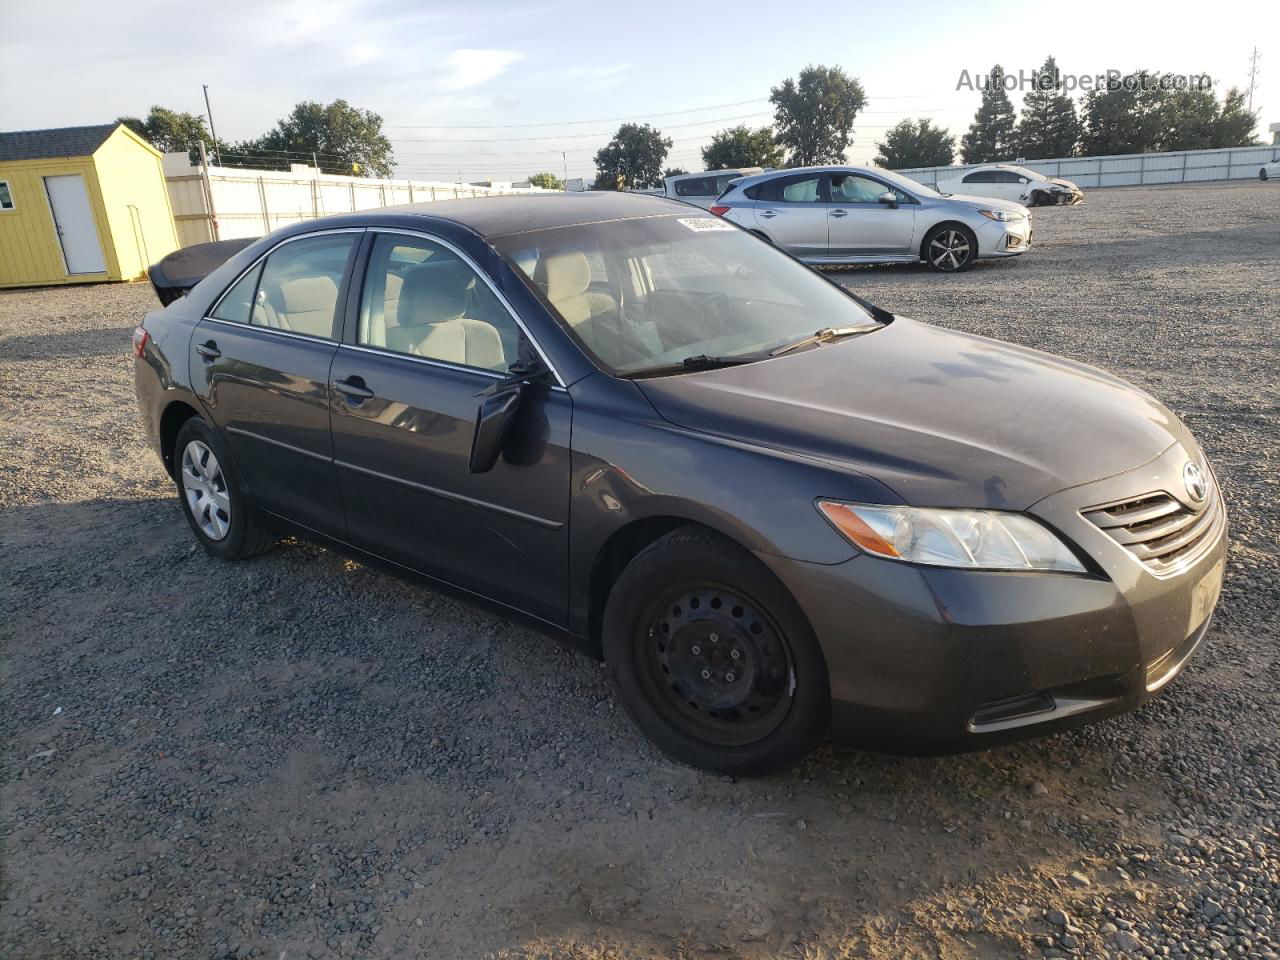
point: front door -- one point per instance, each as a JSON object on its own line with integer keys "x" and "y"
{"x": 862, "y": 226}
{"x": 431, "y": 335}
{"x": 73, "y": 220}
{"x": 793, "y": 212}
{"x": 260, "y": 362}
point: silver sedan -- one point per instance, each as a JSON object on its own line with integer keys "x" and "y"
{"x": 828, "y": 215}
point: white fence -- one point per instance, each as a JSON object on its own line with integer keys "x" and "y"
{"x": 223, "y": 203}
{"x": 1134, "y": 169}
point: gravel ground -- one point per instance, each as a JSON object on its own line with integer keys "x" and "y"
{"x": 301, "y": 757}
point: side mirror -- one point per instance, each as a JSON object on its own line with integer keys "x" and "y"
{"x": 493, "y": 420}
{"x": 889, "y": 199}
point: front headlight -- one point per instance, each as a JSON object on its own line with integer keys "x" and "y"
{"x": 1002, "y": 215}
{"x": 977, "y": 539}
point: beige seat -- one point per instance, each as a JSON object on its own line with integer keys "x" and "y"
{"x": 303, "y": 305}
{"x": 565, "y": 278}
{"x": 429, "y": 319}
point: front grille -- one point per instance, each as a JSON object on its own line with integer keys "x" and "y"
{"x": 1159, "y": 530}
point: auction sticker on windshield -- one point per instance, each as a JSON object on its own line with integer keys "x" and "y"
{"x": 706, "y": 223}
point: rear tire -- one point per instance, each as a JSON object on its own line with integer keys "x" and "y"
{"x": 221, "y": 517}
{"x": 950, "y": 248}
{"x": 713, "y": 658}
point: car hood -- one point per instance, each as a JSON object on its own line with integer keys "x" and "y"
{"x": 942, "y": 418}
{"x": 1064, "y": 183}
{"x": 984, "y": 203}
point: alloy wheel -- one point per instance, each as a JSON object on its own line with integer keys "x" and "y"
{"x": 949, "y": 250}
{"x": 720, "y": 664}
{"x": 205, "y": 487}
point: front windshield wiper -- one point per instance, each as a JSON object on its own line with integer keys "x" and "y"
{"x": 824, "y": 335}
{"x": 704, "y": 362}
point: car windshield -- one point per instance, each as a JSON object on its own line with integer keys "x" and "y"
{"x": 1029, "y": 174}
{"x": 646, "y": 294}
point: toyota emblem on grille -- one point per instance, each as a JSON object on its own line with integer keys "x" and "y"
{"x": 1196, "y": 484}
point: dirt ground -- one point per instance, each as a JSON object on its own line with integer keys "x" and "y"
{"x": 298, "y": 756}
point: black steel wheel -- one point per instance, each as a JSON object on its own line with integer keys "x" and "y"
{"x": 718, "y": 660}
{"x": 713, "y": 658}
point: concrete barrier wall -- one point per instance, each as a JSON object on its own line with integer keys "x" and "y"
{"x": 1134, "y": 169}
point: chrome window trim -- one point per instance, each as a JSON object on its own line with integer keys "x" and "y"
{"x": 237, "y": 325}
{"x": 432, "y": 362}
{"x": 266, "y": 253}
{"x": 483, "y": 275}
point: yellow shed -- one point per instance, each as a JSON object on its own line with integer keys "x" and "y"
{"x": 81, "y": 205}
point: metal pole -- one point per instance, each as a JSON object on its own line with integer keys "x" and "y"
{"x": 564, "y": 158}
{"x": 208, "y": 192}
{"x": 212, "y": 132}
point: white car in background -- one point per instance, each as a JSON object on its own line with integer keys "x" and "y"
{"x": 1007, "y": 181}
{"x": 1270, "y": 171}
{"x": 703, "y": 188}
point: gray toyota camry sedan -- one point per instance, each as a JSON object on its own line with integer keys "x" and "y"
{"x": 774, "y": 509}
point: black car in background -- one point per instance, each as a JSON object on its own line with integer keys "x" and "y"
{"x": 774, "y": 509}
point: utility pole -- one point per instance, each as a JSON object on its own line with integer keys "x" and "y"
{"x": 1253, "y": 75}
{"x": 212, "y": 132}
{"x": 564, "y": 158}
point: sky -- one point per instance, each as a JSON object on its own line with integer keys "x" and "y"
{"x": 502, "y": 90}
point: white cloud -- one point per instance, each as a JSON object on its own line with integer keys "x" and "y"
{"x": 600, "y": 78}
{"x": 470, "y": 68}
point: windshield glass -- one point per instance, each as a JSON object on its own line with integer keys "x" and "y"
{"x": 647, "y": 293}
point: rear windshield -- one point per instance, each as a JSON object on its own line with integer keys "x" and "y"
{"x": 646, "y": 293}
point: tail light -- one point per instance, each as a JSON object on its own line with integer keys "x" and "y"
{"x": 719, "y": 209}
{"x": 140, "y": 338}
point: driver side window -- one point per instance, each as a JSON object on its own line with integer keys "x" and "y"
{"x": 805, "y": 190}
{"x": 422, "y": 299}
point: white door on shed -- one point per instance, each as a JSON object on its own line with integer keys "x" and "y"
{"x": 73, "y": 219}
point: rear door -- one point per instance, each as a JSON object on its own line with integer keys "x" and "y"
{"x": 430, "y": 336}
{"x": 260, "y": 362}
{"x": 793, "y": 212}
{"x": 862, "y": 226}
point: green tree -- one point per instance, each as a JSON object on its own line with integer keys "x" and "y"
{"x": 1126, "y": 116}
{"x": 1235, "y": 124}
{"x": 916, "y": 143}
{"x": 170, "y": 131}
{"x": 741, "y": 146}
{"x": 632, "y": 159}
{"x": 991, "y": 136}
{"x": 814, "y": 115}
{"x": 345, "y": 139}
{"x": 546, "y": 180}
{"x": 1049, "y": 125}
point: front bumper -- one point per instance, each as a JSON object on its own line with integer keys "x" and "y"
{"x": 932, "y": 660}
{"x": 1004, "y": 238}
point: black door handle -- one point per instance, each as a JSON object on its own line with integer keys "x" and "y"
{"x": 209, "y": 350}
{"x": 353, "y": 387}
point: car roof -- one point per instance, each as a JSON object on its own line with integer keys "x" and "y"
{"x": 499, "y": 216}
{"x": 789, "y": 171}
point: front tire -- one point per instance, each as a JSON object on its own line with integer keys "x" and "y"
{"x": 1262, "y": 175}
{"x": 713, "y": 658}
{"x": 219, "y": 514}
{"x": 950, "y": 248}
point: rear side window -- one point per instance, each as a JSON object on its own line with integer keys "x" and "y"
{"x": 298, "y": 292}
{"x": 801, "y": 191}
{"x": 697, "y": 187}
{"x": 235, "y": 305}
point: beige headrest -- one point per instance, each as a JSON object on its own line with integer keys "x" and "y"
{"x": 563, "y": 275}
{"x": 304, "y": 294}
